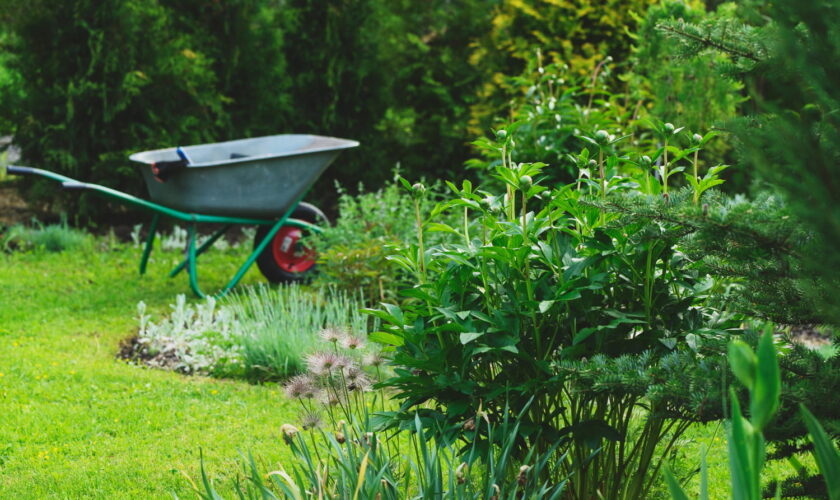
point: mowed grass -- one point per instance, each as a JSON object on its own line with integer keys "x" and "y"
{"x": 77, "y": 423}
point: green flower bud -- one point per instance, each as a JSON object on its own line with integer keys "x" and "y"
{"x": 811, "y": 113}
{"x": 602, "y": 136}
{"x": 646, "y": 161}
{"x": 697, "y": 138}
{"x": 419, "y": 188}
{"x": 487, "y": 203}
{"x": 525, "y": 182}
{"x": 501, "y": 134}
{"x": 593, "y": 163}
{"x": 669, "y": 128}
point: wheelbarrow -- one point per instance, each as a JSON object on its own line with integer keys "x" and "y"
{"x": 259, "y": 182}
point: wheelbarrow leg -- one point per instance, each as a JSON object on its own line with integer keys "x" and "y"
{"x": 150, "y": 242}
{"x": 191, "y": 268}
{"x": 203, "y": 248}
{"x": 256, "y": 253}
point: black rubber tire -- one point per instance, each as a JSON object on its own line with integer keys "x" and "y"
{"x": 266, "y": 263}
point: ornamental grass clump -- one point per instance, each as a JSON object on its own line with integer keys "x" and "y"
{"x": 279, "y": 326}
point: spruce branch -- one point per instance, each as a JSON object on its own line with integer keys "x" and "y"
{"x": 709, "y": 42}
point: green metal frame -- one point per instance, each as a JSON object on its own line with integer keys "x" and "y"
{"x": 190, "y": 261}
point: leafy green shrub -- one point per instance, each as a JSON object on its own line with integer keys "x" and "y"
{"x": 544, "y": 294}
{"x": 100, "y": 80}
{"x": 48, "y": 238}
{"x": 580, "y": 34}
{"x": 353, "y": 254}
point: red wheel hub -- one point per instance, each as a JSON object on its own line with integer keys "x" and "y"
{"x": 289, "y": 254}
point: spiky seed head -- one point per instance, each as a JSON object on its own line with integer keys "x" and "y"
{"x": 352, "y": 342}
{"x": 310, "y": 421}
{"x": 373, "y": 359}
{"x": 330, "y": 398}
{"x": 331, "y": 334}
{"x": 288, "y": 431}
{"x": 323, "y": 363}
{"x": 300, "y": 387}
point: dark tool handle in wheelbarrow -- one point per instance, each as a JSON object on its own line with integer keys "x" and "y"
{"x": 13, "y": 170}
{"x": 163, "y": 170}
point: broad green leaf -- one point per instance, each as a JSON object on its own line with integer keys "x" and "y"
{"x": 584, "y": 334}
{"x": 386, "y": 338}
{"x": 677, "y": 493}
{"x": 743, "y": 363}
{"x": 742, "y": 466}
{"x": 764, "y": 400}
{"x": 546, "y": 305}
{"x": 441, "y": 228}
{"x": 825, "y": 453}
{"x": 468, "y": 337}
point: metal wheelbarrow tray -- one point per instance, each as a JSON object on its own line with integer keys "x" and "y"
{"x": 259, "y": 181}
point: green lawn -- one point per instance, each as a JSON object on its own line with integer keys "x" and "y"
{"x": 77, "y": 423}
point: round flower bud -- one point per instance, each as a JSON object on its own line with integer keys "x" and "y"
{"x": 602, "y": 136}
{"x": 593, "y": 163}
{"x": 501, "y": 134}
{"x": 525, "y": 182}
{"x": 697, "y": 138}
{"x": 669, "y": 128}
{"x": 646, "y": 161}
{"x": 419, "y": 188}
{"x": 486, "y": 203}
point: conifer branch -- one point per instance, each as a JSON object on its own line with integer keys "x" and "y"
{"x": 709, "y": 42}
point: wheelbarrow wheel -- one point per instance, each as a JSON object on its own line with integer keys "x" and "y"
{"x": 286, "y": 259}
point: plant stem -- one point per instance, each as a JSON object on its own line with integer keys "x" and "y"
{"x": 665, "y": 169}
{"x": 422, "y": 259}
{"x": 696, "y": 179}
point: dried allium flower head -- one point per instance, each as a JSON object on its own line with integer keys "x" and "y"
{"x": 460, "y": 473}
{"x": 373, "y": 359}
{"x": 522, "y": 479}
{"x": 323, "y": 363}
{"x": 331, "y": 334}
{"x": 289, "y": 431}
{"x": 339, "y": 437}
{"x": 352, "y": 342}
{"x": 469, "y": 425}
{"x": 310, "y": 421}
{"x": 300, "y": 387}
